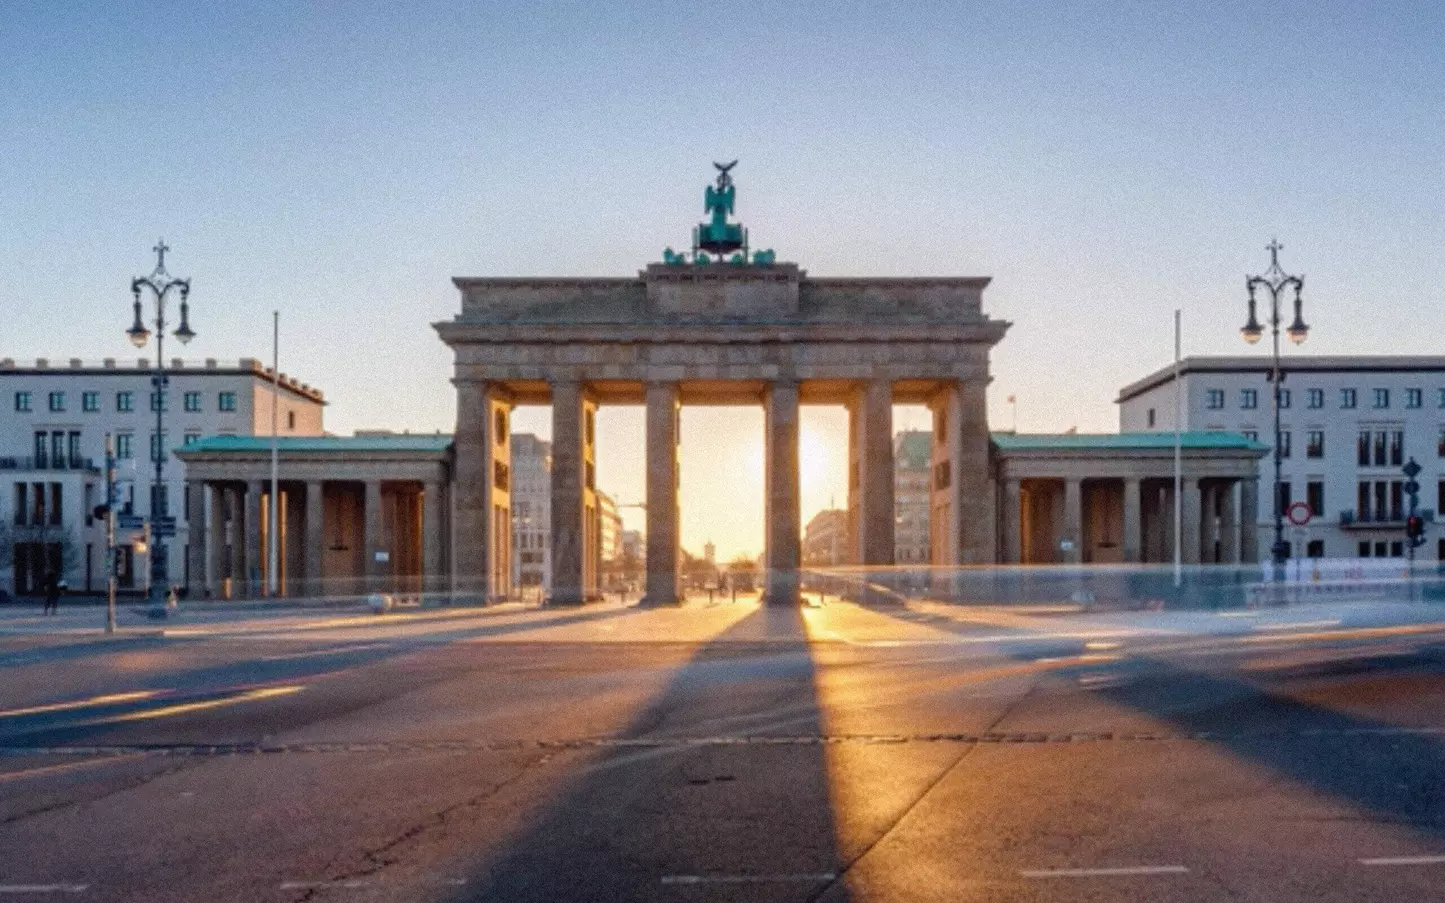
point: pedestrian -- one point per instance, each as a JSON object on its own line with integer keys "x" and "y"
{"x": 52, "y": 594}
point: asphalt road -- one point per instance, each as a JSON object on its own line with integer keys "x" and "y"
{"x": 727, "y": 753}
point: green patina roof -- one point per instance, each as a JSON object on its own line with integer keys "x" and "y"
{"x": 252, "y": 444}
{"x": 915, "y": 449}
{"x": 1122, "y": 441}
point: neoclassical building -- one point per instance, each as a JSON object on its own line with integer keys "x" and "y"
{"x": 725, "y": 324}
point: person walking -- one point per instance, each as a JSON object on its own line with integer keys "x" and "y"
{"x": 52, "y": 594}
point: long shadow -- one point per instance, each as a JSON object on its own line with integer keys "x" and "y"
{"x": 69, "y": 726}
{"x": 747, "y": 820}
{"x": 1394, "y": 772}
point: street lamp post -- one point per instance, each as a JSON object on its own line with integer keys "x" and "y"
{"x": 1275, "y": 281}
{"x": 160, "y": 283}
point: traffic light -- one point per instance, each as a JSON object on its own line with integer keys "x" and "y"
{"x": 1414, "y": 526}
{"x": 101, "y": 512}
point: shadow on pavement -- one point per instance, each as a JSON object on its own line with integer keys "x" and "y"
{"x": 96, "y": 724}
{"x": 744, "y": 821}
{"x": 1392, "y": 771}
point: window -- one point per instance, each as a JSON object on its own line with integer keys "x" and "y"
{"x": 42, "y": 449}
{"x": 1315, "y": 496}
{"x": 1347, "y": 398}
{"x": 1150, "y": 417}
{"x": 1251, "y": 435}
{"x": 1397, "y": 549}
{"x": 1248, "y": 399}
{"x": 1315, "y": 444}
{"x": 1382, "y": 398}
{"x": 158, "y": 446}
{"x": 22, "y": 490}
{"x": 90, "y": 402}
{"x": 1315, "y": 398}
{"x": 193, "y": 401}
{"x": 22, "y": 402}
{"x": 1414, "y": 398}
{"x": 123, "y": 449}
{"x": 159, "y": 402}
{"x": 57, "y": 401}
{"x": 57, "y": 449}
{"x": 290, "y": 420}
{"x": 1284, "y": 398}
{"x": 125, "y": 402}
{"x": 1440, "y": 443}
{"x": 1440, "y": 398}
{"x": 1364, "y": 550}
{"x": 1284, "y": 443}
{"x": 1397, "y": 447}
{"x": 1315, "y": 549}
{"x": 72, "y": 448}
{"x": 192, "y": 438}
{"x": 1379, "y": 449}
{"x": 1214, "y": 399}
{"x": 226, "y": 401}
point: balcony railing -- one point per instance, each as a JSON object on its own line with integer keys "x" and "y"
{"x": 1385, "y": 518}
{"x": 28, "y": 462}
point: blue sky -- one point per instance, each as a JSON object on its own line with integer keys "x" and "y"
{"x": 1104, "y": 162}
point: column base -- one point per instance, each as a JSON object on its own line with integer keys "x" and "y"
{"x": 566, "y": 599}
{"x": 783, "y": 590}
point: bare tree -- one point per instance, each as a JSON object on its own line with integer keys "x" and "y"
{"x": 49, "y": 536}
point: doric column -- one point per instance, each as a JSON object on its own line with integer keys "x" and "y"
{"x": 570, "y": 534}
{"x": 1229, "y": 523}
{"x": 1249, "y": 521}
{"x": 1074, "y": 520}
{"x": 1012, "y": 522}
{"x": 662, "y": 508}
{"x": 481, "y": 519}
{"x": 375, "y": 572}
{"x": 251, "y": 538}
{"x": 872, "y": 424}
{"x": 236, "y": 509}
{"x": 431, "y": 536}
{"x": 783, "y": 517}
{"x": 314, "y": 583}
{"x": 1133, "y": 531}
{"x": 972, "y": 474}
{"x": 1191, "y": 516}
{"x": 216, "y": 543}
{"x": 197, "y": 530}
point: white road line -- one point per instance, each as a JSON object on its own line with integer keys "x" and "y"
{"x": 801, "y": 878}
{"x": 1405, "y": 860}
{"x": 1105, "y": 872}
{"x": 42, "y": 888}
{"x": 313, "y": 885}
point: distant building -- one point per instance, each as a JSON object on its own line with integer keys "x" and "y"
{"x": 1349, "y": 424}
{"x": 531, "y": 513}
{"x": 912, "y": 459}
{"x": 53, "y": 421}
{"x": 825, "y": 539}
{"x": 609, "y": 538}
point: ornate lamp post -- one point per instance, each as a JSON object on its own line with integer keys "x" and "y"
{"x": 1275, "y": 281}
{"x": 160, "y": 283}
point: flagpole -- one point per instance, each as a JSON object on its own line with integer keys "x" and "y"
{"x": 1178, "y": 461}
{"x": 272, "y": 570}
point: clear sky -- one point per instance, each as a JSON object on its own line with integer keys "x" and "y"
{"x": 1104, "y": 162}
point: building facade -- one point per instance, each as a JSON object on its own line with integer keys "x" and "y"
{"x": 825, "y": 539}
{"x": 1349, "y": 424}
{"x": 531, "y": 472}
{"x": 912, "y": 493}
{"x": 54, "y": 418}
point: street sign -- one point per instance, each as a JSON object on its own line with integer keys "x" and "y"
{"x": 1299, "y": 513}
{"x": 1411, "y": 469}
{"x": 1412, "y": 487}
{"x": 129, "y": 521}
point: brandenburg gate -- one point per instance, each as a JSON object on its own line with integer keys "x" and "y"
{"x": 719, "y": 324}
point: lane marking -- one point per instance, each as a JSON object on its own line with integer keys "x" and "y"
{"x": 43, "y": 888}
{"x": 108, "y": 699}
{"x": 1105, "y": 872}
{"x": 313, "y": 885}
{"x": 66, "y": 766}
{"x": 1405, "y": 860}
{"x": 185, "y": 707}
{"x": 800, "y": 878}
